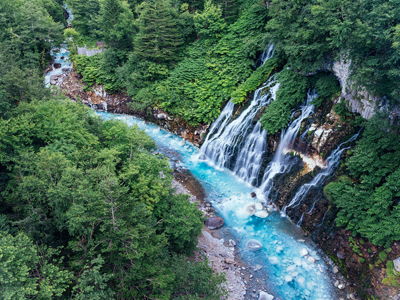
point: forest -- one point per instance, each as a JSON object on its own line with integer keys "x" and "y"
{"x": 84, "y": 211}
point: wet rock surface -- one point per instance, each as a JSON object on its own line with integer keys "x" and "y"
{"x": 214, "y": 222}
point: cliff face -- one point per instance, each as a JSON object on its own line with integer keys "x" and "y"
{"x": 360, "y": 100}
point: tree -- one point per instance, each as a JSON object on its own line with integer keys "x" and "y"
{"x": 116, "y": 24}
{"x": 159, "y": 37}
{"x": 210, "y": 23}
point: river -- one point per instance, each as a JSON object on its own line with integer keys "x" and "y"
{"x": 293, "y": 268}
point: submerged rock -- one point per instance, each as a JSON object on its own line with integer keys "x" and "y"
{"x": 214, "y": 222}
{"x": 250, "y": 209}
{"x": 262, "y": 214}
{"x": 254, "y": 245}
{"x": 265, "y": 296}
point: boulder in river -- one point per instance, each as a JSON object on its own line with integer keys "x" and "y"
{"x": 253, "y": 195}
{"x": 265, "y": 296}
{"x": 214, "y": 222}
{"x": 253, "y": 245}
{"x": 65, "y": 69}
{"x": 57, "y": 65}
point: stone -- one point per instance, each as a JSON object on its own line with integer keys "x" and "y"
{"x": 214, "y": 222}
{"x": 62, "y": 57}
{"x": 335, "y": 270}
{"x": 265, "y": 296}
{"x": 229, "y": 260}
{"x": 253, "y": 195}
{"x": 262, "y": 214}
{"x": 396, "y": 263}
{"x": 311, "y": 260}
{"x": 340, "y": 255}
{"x": 340, "y": 286}
{"x": 303, "y": 252}
{"x": 253, "y": 245}
{"x": 57, "y": 65}
{"x": 65, "y": 69}
{"x": 232, "y": 243}
{"x": 297, "y": 114}
{"x": 250, "y": 209}
{"x": 161, "y": 116}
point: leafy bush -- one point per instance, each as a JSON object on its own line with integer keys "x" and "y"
{"x": 366, "y": 206}
{"x": 292, "y": 91}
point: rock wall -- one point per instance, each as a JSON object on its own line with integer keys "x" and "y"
{"x": 99, "y": 99}
{"x": 360, "y": 101}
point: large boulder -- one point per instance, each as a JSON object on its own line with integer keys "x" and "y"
{"x": 214, "y": 222}
{"x": 265, "y": 296}
{"x": 396, "y": 263}
{"x": 57, "y": 65}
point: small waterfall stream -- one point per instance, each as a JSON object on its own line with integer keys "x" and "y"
{"x": 317, "y": 182}
{"x": 280, "y": 162}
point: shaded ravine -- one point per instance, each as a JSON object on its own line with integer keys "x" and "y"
{"x": 292, "y": 274}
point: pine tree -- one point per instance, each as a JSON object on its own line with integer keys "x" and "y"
{"x": 159, "y": 39}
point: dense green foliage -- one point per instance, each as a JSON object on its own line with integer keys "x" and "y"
{"x": 169, "y": 67}
{"x": 292, "y": 91}
{"x": 95, "y": 208}
{"x": 310, "y": 33}
{"x": 368, "y": 205}
{"x": 27, "y": 33}
{"x": 87, "y": 210}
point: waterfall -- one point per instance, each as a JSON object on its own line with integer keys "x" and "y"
{"x": 267, "y": 54}
{"x": 248, "y": 163}
{"x": 219, "y": 125}
{"x": 279, "y": 163}
{"x": 317, "y": 182}
{"x": 221, "y": 147}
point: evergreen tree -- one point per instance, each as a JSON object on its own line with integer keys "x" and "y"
{"x": 116, "y": 24}
{"x": 159, "y": 38}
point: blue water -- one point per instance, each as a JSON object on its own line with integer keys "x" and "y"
{"x": 289, "y": 274}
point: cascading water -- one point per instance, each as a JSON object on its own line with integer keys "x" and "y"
{"x": 267, "y": 54}
{"x": 280, "y": 163}
{"x": 248, "y": 163}
{"x": 219, "y": 124}
{"x": 221, "y": 147}
{"x": 290, "y": 274}
{"x": 317, "y": 182}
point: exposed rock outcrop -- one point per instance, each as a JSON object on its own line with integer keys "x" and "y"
{"x": 359, "y": 99}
